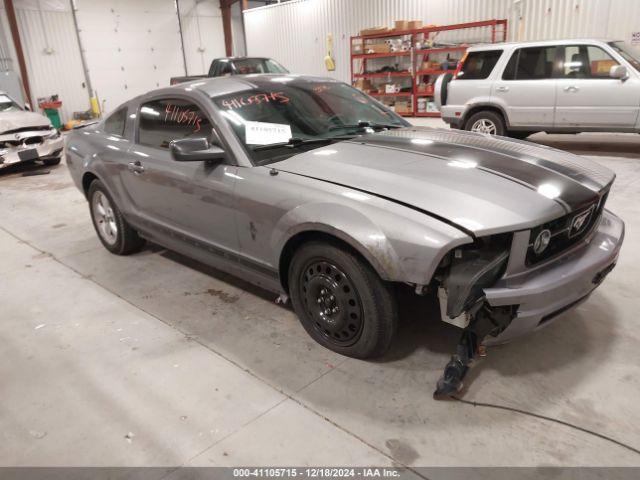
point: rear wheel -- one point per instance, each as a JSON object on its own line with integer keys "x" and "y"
{"x": 341, "y": 301}
{"x": 487, "y": 122}
{"x": 114, "y": 232}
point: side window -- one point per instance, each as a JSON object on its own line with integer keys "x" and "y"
{"x": 162, "y": 121}
{"x": 115, "y": 123}
{"x": 479, "y": 65}
{"x": 586, "y": 61}
{"x": 533, "y": 63}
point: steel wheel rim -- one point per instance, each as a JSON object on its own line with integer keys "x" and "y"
{"x": 105, "y": 218}
{"x": 484, "y": 125}
{"x": 331, "y": 302}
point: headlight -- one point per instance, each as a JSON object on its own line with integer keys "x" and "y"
{"x": 54, "y": 135}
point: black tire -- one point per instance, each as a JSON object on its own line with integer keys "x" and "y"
{"x": 520, "y": 135}
{"x": 50, "y": 162}
{"x": 125, "y": 239}
{"x": 488, "y": 116}
{"x": 366, "y": 318}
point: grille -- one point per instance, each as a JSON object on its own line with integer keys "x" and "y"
{"x": 566, "y": 231}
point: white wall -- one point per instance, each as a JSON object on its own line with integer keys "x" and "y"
{"x": 130, "y": 46}
{"x": 202, "y": 34}
{"x": 294, "y": 32}
{"x": 53, "y": 59}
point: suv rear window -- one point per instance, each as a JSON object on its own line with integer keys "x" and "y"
{"x": 478, "y": 65}
{"x": 533, "y": 63}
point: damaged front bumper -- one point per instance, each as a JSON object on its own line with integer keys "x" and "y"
{"x": 543, "y": 293}
{"x": 36, "y": 147}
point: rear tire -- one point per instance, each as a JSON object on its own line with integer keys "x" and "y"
{"x": 51, "y": 162}
{"x": 341, "y": 301}
{"x": 114, "y": 232}
{"x": 486, "y": 121}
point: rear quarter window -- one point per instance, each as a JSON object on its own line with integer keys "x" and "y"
{"x": 479, "y": 65}
{"x": 115, "y": 123}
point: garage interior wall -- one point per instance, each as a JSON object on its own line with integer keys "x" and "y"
{"x": 202, "y": 34}
{"x": 295, "y": 32}
{"x": 51, "y": 50}
{"x": 130, "y": 46}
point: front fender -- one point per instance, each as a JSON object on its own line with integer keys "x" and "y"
{"x": 401, "y": 244}
{"x": 336, "y": 220}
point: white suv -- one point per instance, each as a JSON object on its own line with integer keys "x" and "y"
{"x": 565, "y": 86}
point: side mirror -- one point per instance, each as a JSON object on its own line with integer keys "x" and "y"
{"x": 619, "y": 71}
{"x": 195, "y": 150}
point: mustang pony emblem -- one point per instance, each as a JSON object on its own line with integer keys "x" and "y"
{"x": 579, "y": 221}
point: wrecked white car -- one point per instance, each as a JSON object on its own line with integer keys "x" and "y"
{"x": 26, "y": 136}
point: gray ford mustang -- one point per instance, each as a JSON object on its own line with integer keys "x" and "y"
{"x": 311, "y": 189}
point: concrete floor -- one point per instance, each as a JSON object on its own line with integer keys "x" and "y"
{"x": 154, "y": 359}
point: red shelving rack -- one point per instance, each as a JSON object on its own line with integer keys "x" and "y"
{"x": 418, "y": 55}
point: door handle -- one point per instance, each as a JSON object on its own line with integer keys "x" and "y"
{"x": 571, "y": 88}
{"x": 135, "y": 167}
{"x": 502, "y": 89}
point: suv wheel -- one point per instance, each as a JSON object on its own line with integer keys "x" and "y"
{"x": 486, "y": 121}
{"x": 114, "y": 232}
{"x": 341, "y": 301}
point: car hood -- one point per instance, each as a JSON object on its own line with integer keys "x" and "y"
{"x": 482, "y": 184}
{"x": 21, "y": 119}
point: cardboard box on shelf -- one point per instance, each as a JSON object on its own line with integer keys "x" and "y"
{"x": 401, "y": 25}
{"x": 363, "y": 84}
{"x": 373, "y": 31}
{"x": 414, "y": 24}
{"x": 377, "y": 48}
{"x": 402, "y": 107}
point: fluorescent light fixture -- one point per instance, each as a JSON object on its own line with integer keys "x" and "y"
{"x": 150, "y": 111}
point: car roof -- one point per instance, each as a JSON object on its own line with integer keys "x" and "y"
{"x": 218, "y": 86}
{"x": 539, "y": 43}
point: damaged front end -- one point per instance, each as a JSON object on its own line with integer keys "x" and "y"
{"x": 461, "y": 279}
{"x": 29, "y": 143}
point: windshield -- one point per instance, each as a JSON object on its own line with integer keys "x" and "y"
{"x": 8, "y": 105}
{"x": 630, "y": 54}
{"x": 272, "y": 121}
{"x": 247, "y": 66}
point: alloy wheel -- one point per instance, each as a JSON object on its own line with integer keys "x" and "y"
{"x": 104, "y": 218}
{"x": 484, "y": 125}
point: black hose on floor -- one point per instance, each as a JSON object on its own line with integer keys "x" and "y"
{"x": 549, "y": 419}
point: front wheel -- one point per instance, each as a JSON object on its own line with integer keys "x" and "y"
{"x": 341, "y": 301}
{"x": 487, "y": 122}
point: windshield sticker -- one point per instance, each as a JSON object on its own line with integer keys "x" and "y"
{"x": 182, "y": 116}
{"x": 243, "y": 101}
{"x": 261, "y": 133}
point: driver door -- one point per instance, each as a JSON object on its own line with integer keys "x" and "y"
{"x": 182, "y": 199}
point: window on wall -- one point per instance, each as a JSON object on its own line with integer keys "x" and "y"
{"x": 586, "y": 61}
{"x": 116, "y": 122}
{"x": 162, "y": 121}
{"x": 534, "y": 63}
{"x": 479, "y": 65}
